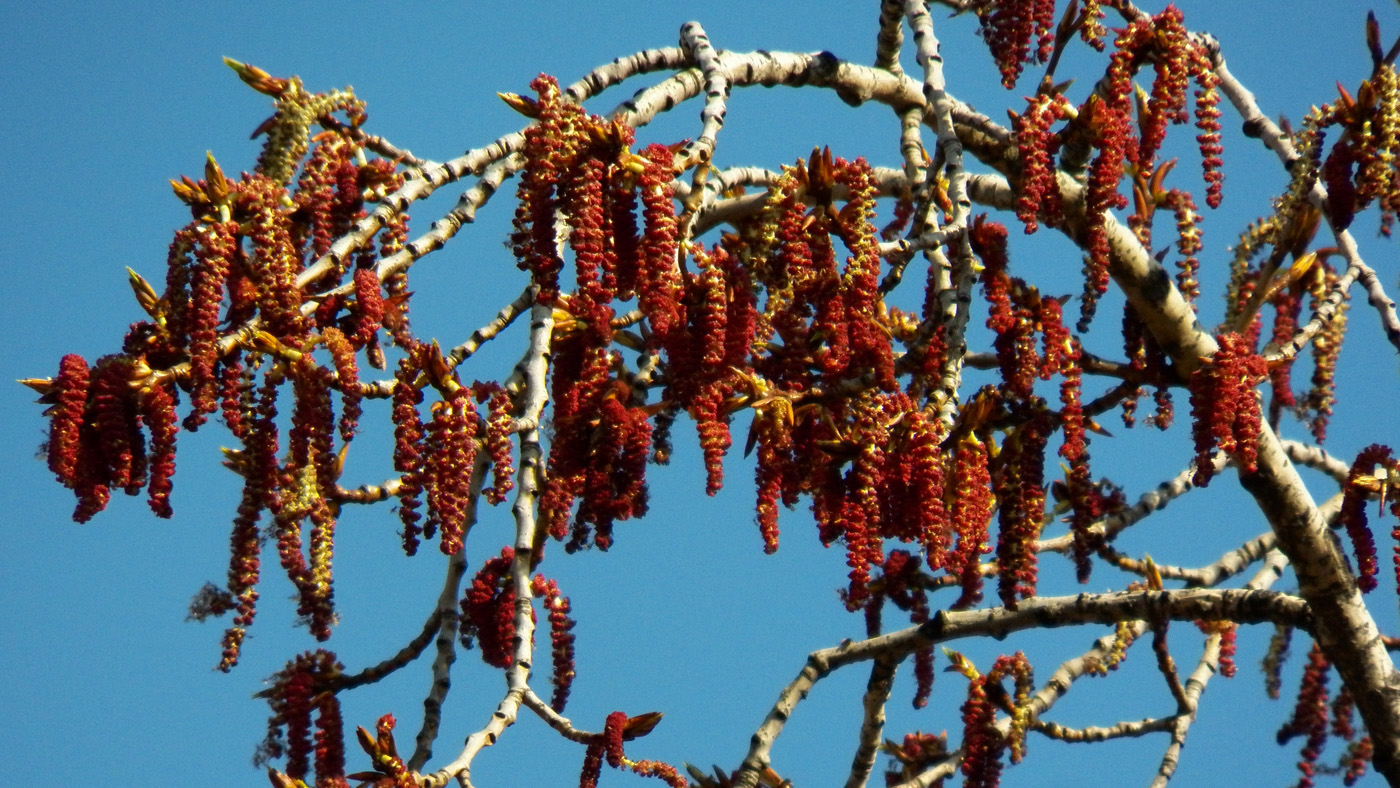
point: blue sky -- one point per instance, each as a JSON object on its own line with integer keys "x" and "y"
{"x": 105, "y": 679}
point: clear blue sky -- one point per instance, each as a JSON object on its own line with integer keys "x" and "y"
{"x": 104, "y": 682}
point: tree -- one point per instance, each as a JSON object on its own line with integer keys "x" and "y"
{"x": 794, "y": 331}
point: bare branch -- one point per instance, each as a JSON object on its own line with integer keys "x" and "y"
{"x": 872, "y": 726}
{"x": 697, "y": 47}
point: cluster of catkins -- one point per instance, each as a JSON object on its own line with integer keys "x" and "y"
{"x": 785, "y": 317}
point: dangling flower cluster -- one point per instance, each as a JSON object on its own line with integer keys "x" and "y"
{"x": 1310, "y": 715}
{"x": 1007, "y": 26}
{"x": 1018, "y": 482}
{"x": 437, "y": 459}
{"x": 1287, "y": 304}
{"x": 1359, "y": 751}
{"x": 1361, "y": 167}
{"x": 208, "y": 251}
{"x": 615, "y": 482}
{"x": 1009, "y": 316}
{"x": 579, "y": 186}
{"x": 275, "y": 264}
{"x": 328, "y": 190}
{"x": 307, "y": 485}
{"x": 903, "y": 584}
{"x": 1146, "y": 358}
{"x": 449, "y": 446}
{"x": 1316, "y": 406}
{"x": 257, "y": 463}
{"x": 1374, "y": 471}
{"x": 499, "y": 427}
{"x": 305, "y": 685}
{"x": 969, "y": 513}
{"x": 1084, "y": 497}
{"x": 70, "y": 393}
{"x": 237, "y": 261}
{"x": 488, "y": 611}
{"x": 488, "y": 618}
{"x": 607, "y": 744}
{"x": 1225, "y": 407}
{"x": 983, "y": 743}
{"x": 561, "y": 638}
{"x": 598, "y": 457}
{"x": 1107, "y": 125}
{"x": 1274, "y": 657}
{"x": 96, "y": 442}
{"x": 1038, "y": 195}
{"x": 408, "y": 449}
{"x": 1227, "y": 631}
{"x": 1016, "y": 311}
{"x": 1188, "y": 241}
{"x": 894, "y": 471}
{"x": 833, "y": 320}
{"x": 1111, "y": 134}
{"x": 369, "y": 302}
{"x": 157, "y": 407}
{"x": 347, "y": 379}
{"x": 562, "y": 149}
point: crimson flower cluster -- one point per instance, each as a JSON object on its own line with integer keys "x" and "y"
{"x": 1225, "y": 406}
{"x": 239, "y": 260}
{"x": 1105, "y": 122}
{"x": 1039, "y": 193}
{"x": 437, "y": 459}
{"x": 1147, "y": 359}
{"x": 903, "y": 584}
{"x": 304, "y": 686}
{"x": 1017, "y": 312}
{"x": 1310, "y": 715}
{"x": 1312, "y": 710}
{"x": 983, "y": 743}
{"x": 1373, "y": 472}
{"x": 1009, "y": 26}
{"x": 97, "y": 436}
{"x": 608, "y": 745}
{"x": 488, "y": 611}
{"x": 579, "y": 168}
{"x": 1360, "y": 168}
{"x": 488, "y": 617}
{"x": 561, "y": 637}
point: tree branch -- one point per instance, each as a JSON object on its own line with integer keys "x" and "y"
{"x": 1240, "y": 606}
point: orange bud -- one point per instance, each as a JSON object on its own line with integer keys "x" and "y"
{"x": 188, "y": 191}
{"x": 640, "y": 725}
{"x": 217, "y": 188}
{"x": 146, "y": 295}
{"x": 522, "y": 104}
{"x": 367, "y": 742}
{"x": 256, "y": 78}
{"x": 44, "y": 386}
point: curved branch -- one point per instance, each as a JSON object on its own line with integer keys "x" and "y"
{"x": 697, "y": 47}
{"x": 1241, "y": 606}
